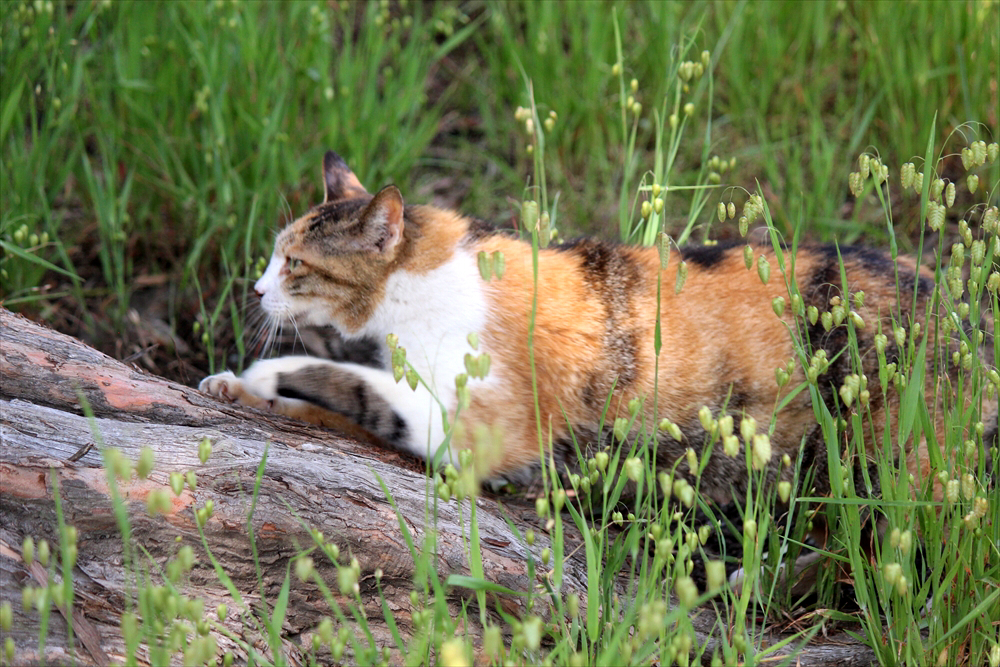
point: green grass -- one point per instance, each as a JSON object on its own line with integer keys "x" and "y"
{"x": 152, "y": 150}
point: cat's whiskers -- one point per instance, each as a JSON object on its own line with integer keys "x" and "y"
{"x": 265, "y": 326}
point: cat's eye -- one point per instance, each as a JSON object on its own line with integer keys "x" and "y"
{"x": 293, "y": 263}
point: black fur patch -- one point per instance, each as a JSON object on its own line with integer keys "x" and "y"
{"x": 339, "y": 391}
{"x": 331, "y": 214}
{"x": 707, "y": 256}
{"x": 614, "y": 276}
{"x": 480, "y": 229}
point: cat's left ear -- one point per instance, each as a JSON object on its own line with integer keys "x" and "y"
{"x": 340, "y": 181}
{"x": 382, "y": 220}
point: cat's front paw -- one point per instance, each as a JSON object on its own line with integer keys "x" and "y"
{"x": 229, "y": 387}
{"x": 222, "y": 385}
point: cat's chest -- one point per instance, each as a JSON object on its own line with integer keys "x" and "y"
{"x": 432, "y": 313}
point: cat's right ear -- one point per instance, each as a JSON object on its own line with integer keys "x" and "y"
{"x": 340, "y": 181}
{"x": 382, "y": 222}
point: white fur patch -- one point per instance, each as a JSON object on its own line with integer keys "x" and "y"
{"x": 432, "y": 314}
{"x": 273, "y": 298}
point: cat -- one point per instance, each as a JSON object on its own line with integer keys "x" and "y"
{"x": 371, "y": 266}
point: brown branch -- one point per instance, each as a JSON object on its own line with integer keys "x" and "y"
{"x": 313, "y": 477}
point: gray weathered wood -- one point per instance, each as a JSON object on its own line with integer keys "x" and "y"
{"x": 313, "y": 477}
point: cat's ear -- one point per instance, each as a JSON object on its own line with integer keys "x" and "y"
{"x": 340, "y": 181}
{"x": 382, "y": 220}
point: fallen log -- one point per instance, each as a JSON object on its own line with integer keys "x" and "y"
{"x": 313, "y": 478}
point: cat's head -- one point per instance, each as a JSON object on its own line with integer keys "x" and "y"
{"x": 330, "y": 266}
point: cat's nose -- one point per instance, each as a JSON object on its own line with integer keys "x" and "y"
{"x": 258, "y": 289}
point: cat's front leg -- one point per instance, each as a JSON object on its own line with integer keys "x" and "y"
{"x": 312, "y": 389}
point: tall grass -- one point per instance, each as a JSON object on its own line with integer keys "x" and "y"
{"x": 172, "y": 138}
{"x": 175, "y": 147}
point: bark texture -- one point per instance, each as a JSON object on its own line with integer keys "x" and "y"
{"x": 313, "y": 478}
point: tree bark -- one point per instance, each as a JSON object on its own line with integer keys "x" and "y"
{"x": 313, "y": 477}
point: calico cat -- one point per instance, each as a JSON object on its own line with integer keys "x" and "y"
{"x": 370, "y": 266}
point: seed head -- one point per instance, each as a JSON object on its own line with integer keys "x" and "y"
{"x": 935, "y": 215}
{"x": 687, "y": 591}
{"x": 715, "y": 574}
{"x": 621, "y": 429}
{"x": 761, "y": 453}
{"x": 891, "y": 572}
{"x": 937, "y": 187}
{"x": 634, "y": 468}
{"x": 692, "y": 460}
{"x": 979, "y": 153}
{"x": 705, "y": 417}
{"x": 784, "y": 490}
{"x": 666, "y": 484}
{"x": 682, "y": 272}
{"x": 856, "y": 183}
{"x": 968, "y": 486}
{"x": 684, "y": 492}
{"x": 967, "y": 158}
{"x": 864, "y": 165}
{"x": 763, "y": 269}
{"x": 906, "y": 173}
{"x": 951, "y": 490}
